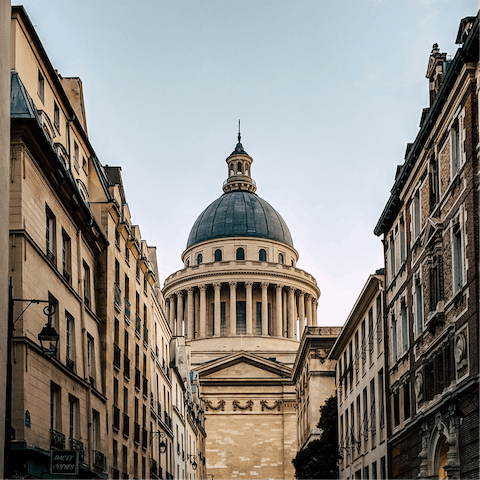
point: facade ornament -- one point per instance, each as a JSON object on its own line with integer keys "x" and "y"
{"x": 276, "y": 405}
{"x": 217, "y": 286}
{"x": 248, "y": 283}
{"x": 248, "y": 405}
{"x": 264, "y": 285}
{"x": 419, "y": 386}
{"x": 232, "y": 284}
{"x": 209, "y": 405}
{"x": 322, "y": 354}
{"x": 460, "y": 350}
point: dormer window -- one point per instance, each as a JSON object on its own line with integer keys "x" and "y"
{"x": 218, "y": 255}
{"x": 240, "y": 253}
{"x": 199, "y": 259}
{"x": 262, "y": 255}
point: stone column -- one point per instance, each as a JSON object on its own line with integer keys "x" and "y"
{"x": 217, "y": 311}
{"x": 180, "y": 313}
{"x": 172, "y": 313}
{"x": 291, "y": 312}
{"x": 203, "y": 310}
{"x": 315, "y": 320}
{"x": 190, "y": 333}
{"x": 264, "y": 286}
{"x": 196, "y": 326}
{"x": 167, "y": 309}
{"x": 284, "y": 327}
{"x": 309, "y": 310}
{"x": 248, "y": 295}
{"x": 233, "y": 308}
{"x": 278, "y": 330}
{"x": 301, "y": 312}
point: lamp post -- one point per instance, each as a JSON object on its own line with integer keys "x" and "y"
{"x": 48, "y": 340}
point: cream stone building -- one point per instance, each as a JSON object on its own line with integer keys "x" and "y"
{"x": 240, "y": 301}
{"x": 359, "y": 354}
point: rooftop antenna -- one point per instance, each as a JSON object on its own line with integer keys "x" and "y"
{"x": 239, "y": 135}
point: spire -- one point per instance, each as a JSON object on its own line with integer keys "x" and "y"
{"x": 239, "y": 147}
{"x": 239, "y": 134}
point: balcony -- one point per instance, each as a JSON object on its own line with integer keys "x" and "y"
{"x": 126, "y": 425}
{"x": 77, "y": 445}
{"x": 136, "y": 432}
{"x": 137, "y": 378}
{"x": 126, "y": 366}
{"x": 138, "y": 325}
{"x": 145, "y": 335}
{"x": 127, "y": 310}
{"x": 99, "y": 460}
{"x": 57, "y": 440}
{"x": 145, "y": 386}
{"x": 116, "y": 418}
{"x": 116, "y": 356}
{"x": 144, "y": 438}
{"x": 117, "y": 297}
{"x": 71, "y": 365}
{"x": 168, "y": 420}
{"x": 66, "y": 276}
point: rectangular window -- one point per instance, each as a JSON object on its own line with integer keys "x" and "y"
{"x": 416, "y": 219}
{"x": 379, "y": 321}
{"x": 73, "y": 427}
{"x": 394, "y": 339}
{"x": 366, "y": 474}
{"x": 434, "y": 284}
{"x": 381, "y": 399}
{"x": 457, "y": 257}
{"x": 396, "y": 408}
{"x": 350, "y": 354}
{"x": 96, "y": 434}
{"x": 358, "y": 351}
{"x": 373, "y": 413}
{"x": 259, "y": 318}
{"x": 50, "y": 234}
{"x": 56, "y": 116}
{"x": 75, "y": 156}
{"x": 115, "y": 454}
{"x": 359, "y": 428}
{"x": 66, "y": 256}
{"x": 127, "y": 254}
{"x": 365, "y": 414}
{"x": 363, "y": 345}
{"x": 223, "y": 322}
{"x": 404, "y": 317}
{"x": 406, "y": 401}
{"x": 55, "y": 407}
{"x": 41, "y": 87}
{"x": 434, "y": 185}
{"x": 374, "y": 471}
{"x": 87, "y": 289}
{"x": 403, "y": 249}
{"x": 124, "y": 461}
{"x": 383, "y": 469}
{"x": 455, "y": 147}
{"x": 418, "y": 306}
{"x": 70, "y": 341}
{"x": 392, "y": 257}
{"x": 91, "y": 359}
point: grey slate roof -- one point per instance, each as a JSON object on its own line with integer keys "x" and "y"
{"x": 239, "y": 214}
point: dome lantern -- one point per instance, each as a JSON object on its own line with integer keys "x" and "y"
{"x": 239, "y": 164}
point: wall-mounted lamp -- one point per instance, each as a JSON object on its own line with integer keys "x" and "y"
{"x": 192, "y": 461}
{"x": 162, "y": 447}
{"x": 456, "y": 415}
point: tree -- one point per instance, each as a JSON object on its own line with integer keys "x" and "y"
{"x": 319, "y": 459}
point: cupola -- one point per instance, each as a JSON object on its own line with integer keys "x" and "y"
{"x": 239, "y": 164}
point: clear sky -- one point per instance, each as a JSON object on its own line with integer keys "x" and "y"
{"x": 328, "y": 92}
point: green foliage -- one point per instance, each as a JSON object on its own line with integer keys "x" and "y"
{"x": 320, "y": 458}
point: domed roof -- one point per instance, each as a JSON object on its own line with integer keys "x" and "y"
{"x": 239, "y": 214}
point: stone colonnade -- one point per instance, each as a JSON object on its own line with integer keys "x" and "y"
{"x": 186, "y": 310}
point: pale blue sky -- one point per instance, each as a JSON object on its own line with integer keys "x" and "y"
{"x": 328, "y": 92}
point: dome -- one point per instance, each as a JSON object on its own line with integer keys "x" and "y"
{"x": 239, "y": 214}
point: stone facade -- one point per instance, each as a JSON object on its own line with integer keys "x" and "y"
{"x": 359, "y": 353}
{"x": 430, "y": 230}
{"x": 240, "y": 301}
{"x": 107, "y": 391}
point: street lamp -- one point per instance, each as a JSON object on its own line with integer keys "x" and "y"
{"x": 162, "y": 447}
{"x": 456, "y": 415}
{"x": 48, "y": 340}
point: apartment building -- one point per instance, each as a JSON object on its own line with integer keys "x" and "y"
{"x": 359, "y": 352}
{"x": 431, "y": 240}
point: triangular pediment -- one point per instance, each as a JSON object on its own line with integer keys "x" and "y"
{"x": 243, "y": 365}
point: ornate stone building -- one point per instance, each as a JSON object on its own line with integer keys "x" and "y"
{"x": 241, "y": 302}
{"x": 430, "y": 228}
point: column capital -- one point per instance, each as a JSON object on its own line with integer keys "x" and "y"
{"x": 217, "y": 286}
{"x": 189, "y": 289}
{"x": 249, "y": 284}
{"x": 309, "y": 297}
{"x": 202, "y": 287}
{"x": 232, "y": 284}
{"x": 264, "y": 285}
{"x": 292, "y": 290}
{"x": 300, "y": 293}
{"x": 180, "y": 294}
{"x": 278, "y": 286}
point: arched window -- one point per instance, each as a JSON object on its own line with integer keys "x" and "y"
{"x": 199, "y": 259}
{"x": 188, "y": 262}
{"x": 262, "y": 255}
{"x": 218, "y": 255}
{"x": 247, "y": 170}
{"x": 239, "y": 167}
{"x": 280, "y": 258}
{"x": 292, "y": 263}
{"x": 232, "y": 169}
{"x": 240, "y": 254}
